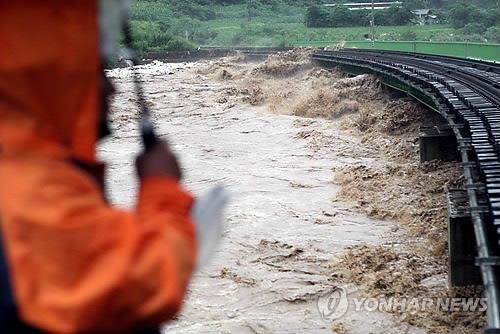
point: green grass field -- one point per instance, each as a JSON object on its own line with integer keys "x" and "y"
{"x": 262, "y": 32}
{"x": 232, "y": 28}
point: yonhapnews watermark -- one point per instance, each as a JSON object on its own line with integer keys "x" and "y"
{"x": 334, "y": 304}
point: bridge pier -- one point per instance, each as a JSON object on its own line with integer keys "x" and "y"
{"x": 462, "y": 268}
{"x": 438, "y": 143}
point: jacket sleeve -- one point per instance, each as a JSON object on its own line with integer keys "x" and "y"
{"x": 79, "y": 265}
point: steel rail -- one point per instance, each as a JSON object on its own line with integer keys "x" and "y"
{"x": 475, "y": 63}
{"x": 448, "y": 66}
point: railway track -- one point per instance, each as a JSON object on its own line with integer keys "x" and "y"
{"x": 466, "y": 93}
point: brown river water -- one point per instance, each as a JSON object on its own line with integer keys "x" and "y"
{"x": 284, "y": 224}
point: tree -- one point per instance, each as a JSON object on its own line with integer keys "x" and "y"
{"x": 341, "y": 16}
{"x": 399, "y": 16}
{"x": 315, "y": 17}
{"x": 252, "y": 6}
{"x": 463, "y": 13}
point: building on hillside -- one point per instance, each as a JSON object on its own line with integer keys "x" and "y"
{"x": 425, "y": 16}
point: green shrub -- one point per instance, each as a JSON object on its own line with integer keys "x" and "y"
{"x": 474, "y": 28}
{"x": 493, "y": 34}
{"x": 148, "y": 36}
{"x": 177, "y": 44}
{"x": 408, "y": 35}
{"x": 204, "y": 36}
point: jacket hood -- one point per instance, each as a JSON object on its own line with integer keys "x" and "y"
{"x": 49, "y": 77}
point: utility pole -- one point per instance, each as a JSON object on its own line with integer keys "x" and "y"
{"x": 372, "y": 23}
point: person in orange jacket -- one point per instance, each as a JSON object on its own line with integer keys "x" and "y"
{"x": 76, "y": 264}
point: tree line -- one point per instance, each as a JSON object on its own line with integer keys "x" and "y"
{"x": 461, "y": 15}
{"x": 341, "y": 16}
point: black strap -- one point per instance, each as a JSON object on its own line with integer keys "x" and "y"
{"x": 8, "y": 309}
{"x": 149, "y": 138}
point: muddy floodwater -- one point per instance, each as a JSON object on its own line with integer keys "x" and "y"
{"x": 285, "y": 224}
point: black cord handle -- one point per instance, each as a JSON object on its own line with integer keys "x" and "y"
{"x": 148, "y": 135}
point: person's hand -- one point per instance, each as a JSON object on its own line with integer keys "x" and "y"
{"x": 158, "y": 161}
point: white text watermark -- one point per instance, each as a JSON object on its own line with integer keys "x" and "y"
{"x": 336, "y": 303}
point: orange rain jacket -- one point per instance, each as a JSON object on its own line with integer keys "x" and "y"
{"x": 77, "y": 265}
